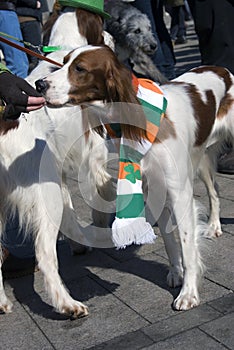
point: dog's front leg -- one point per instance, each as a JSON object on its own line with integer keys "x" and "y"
{"x": 48, "y": 264}
{"x": 5, "y": 303}
{"x": 185, "y": 214}
{"x": 160, "y": 208}
{"x": 46, "y": 254}
{"x": 175, "y": 275}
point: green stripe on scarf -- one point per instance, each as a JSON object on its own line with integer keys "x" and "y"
{"x": 131, "y": 204}
{"x": 153, "y": 114}
{"x": 128, "y": 154}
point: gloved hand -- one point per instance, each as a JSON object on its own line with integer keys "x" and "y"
{"x": 16, "y": 92}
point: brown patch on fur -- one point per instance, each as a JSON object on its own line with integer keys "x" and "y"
{"x": 220, "y": 71}
{"x": 108, "y": 80}
{"x": 8, "y": 125}
{"x": 204, "y": 112}
{"x": 166, "y": 130}
{"x": 225, "y": 106}
{"x": 90, "y": 26}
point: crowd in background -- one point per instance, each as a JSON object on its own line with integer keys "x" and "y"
{"x": 24, "y": 19}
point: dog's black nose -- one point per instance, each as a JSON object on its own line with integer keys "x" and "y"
{"x": 41, "y": 85}
{"x": 153, "y": 47}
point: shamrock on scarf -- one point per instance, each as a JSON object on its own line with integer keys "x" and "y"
{"x": 133, "y": 175}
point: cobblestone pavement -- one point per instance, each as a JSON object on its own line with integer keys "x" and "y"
{"x": 126, "y": 291}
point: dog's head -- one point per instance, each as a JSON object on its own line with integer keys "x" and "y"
{"x": 138, "y": 34}
{"x": 131, "y": 28}
{"x": 91, "y": 74}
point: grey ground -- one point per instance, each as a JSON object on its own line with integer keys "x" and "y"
{"x": 129, "y": 301}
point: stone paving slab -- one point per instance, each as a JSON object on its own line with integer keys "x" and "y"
{"x": 19, "y": 331}
{"x": 109, "y": 317}
{"x": 182, "y": 321}
{"x": 225, "y": 304}
{"x": 147, "y": 294}
{"x": 219, "y": 261}
{"x": 130, "y": 341}
{"x": 221, "y": 330}
{"x": 193, "y": 339}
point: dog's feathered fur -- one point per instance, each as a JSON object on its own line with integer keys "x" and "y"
{"x": 200, "y": 112}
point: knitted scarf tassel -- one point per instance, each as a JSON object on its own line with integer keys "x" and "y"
{"x": 130, "y": 225}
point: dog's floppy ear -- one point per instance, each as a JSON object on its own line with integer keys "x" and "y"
{"x": 120, "y": 89}
{"x": 118, "y": 81}
{"x": 90, "y": 25}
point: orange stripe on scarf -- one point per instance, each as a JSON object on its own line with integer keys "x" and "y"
{"x": 122, "y": 165}
{"x": 146, "y": 83}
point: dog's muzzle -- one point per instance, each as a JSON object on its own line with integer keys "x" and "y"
{"x": 153, "y": 47}
{"x": 41, "y": 86}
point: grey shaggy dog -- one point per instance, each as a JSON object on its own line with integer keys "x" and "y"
{"x": 134, "y": 40}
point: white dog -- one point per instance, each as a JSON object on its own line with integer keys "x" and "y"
{"x": 200, "y": 110}
{"x": 33, "y": 152}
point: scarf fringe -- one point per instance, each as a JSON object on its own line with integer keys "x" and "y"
{"x": 128, "y": 231}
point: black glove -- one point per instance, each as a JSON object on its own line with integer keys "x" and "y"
{"x": 14, "y": 91}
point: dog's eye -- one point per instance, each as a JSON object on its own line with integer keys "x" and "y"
{"x": 54, "y": 69}
{"x": 137, "y": 31}
{"x": 79, "y": 69}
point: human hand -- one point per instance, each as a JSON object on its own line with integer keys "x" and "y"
{"x": 18, "y": 96}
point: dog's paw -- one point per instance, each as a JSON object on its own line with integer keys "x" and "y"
{"x": 6, "y": 306}
{"x": 214, "y": 230}
{"x": 186, "y": 301}
{"x": 76, "y": 310}
{"x": 174, "y": 277}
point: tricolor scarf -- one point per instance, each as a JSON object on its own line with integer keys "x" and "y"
{"x": 130, "y": 225}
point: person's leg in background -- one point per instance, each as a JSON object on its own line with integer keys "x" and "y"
{"x": 178, "y": 29}
{"x": 31, "y": 31}
{"x": 214, "y": 26}
{"x": 16, "y": 60}
{"x": 187, "y": 12}
{"x": 164, "y": 38}
{"x": 174, "y": 28}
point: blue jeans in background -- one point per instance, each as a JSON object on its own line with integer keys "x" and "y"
{"x": 15, "y": 241}
{"x": 16, "y": 60}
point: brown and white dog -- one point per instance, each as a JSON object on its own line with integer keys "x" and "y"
{"x": 200, "y": 113}
{"x": 33, "y": 168}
